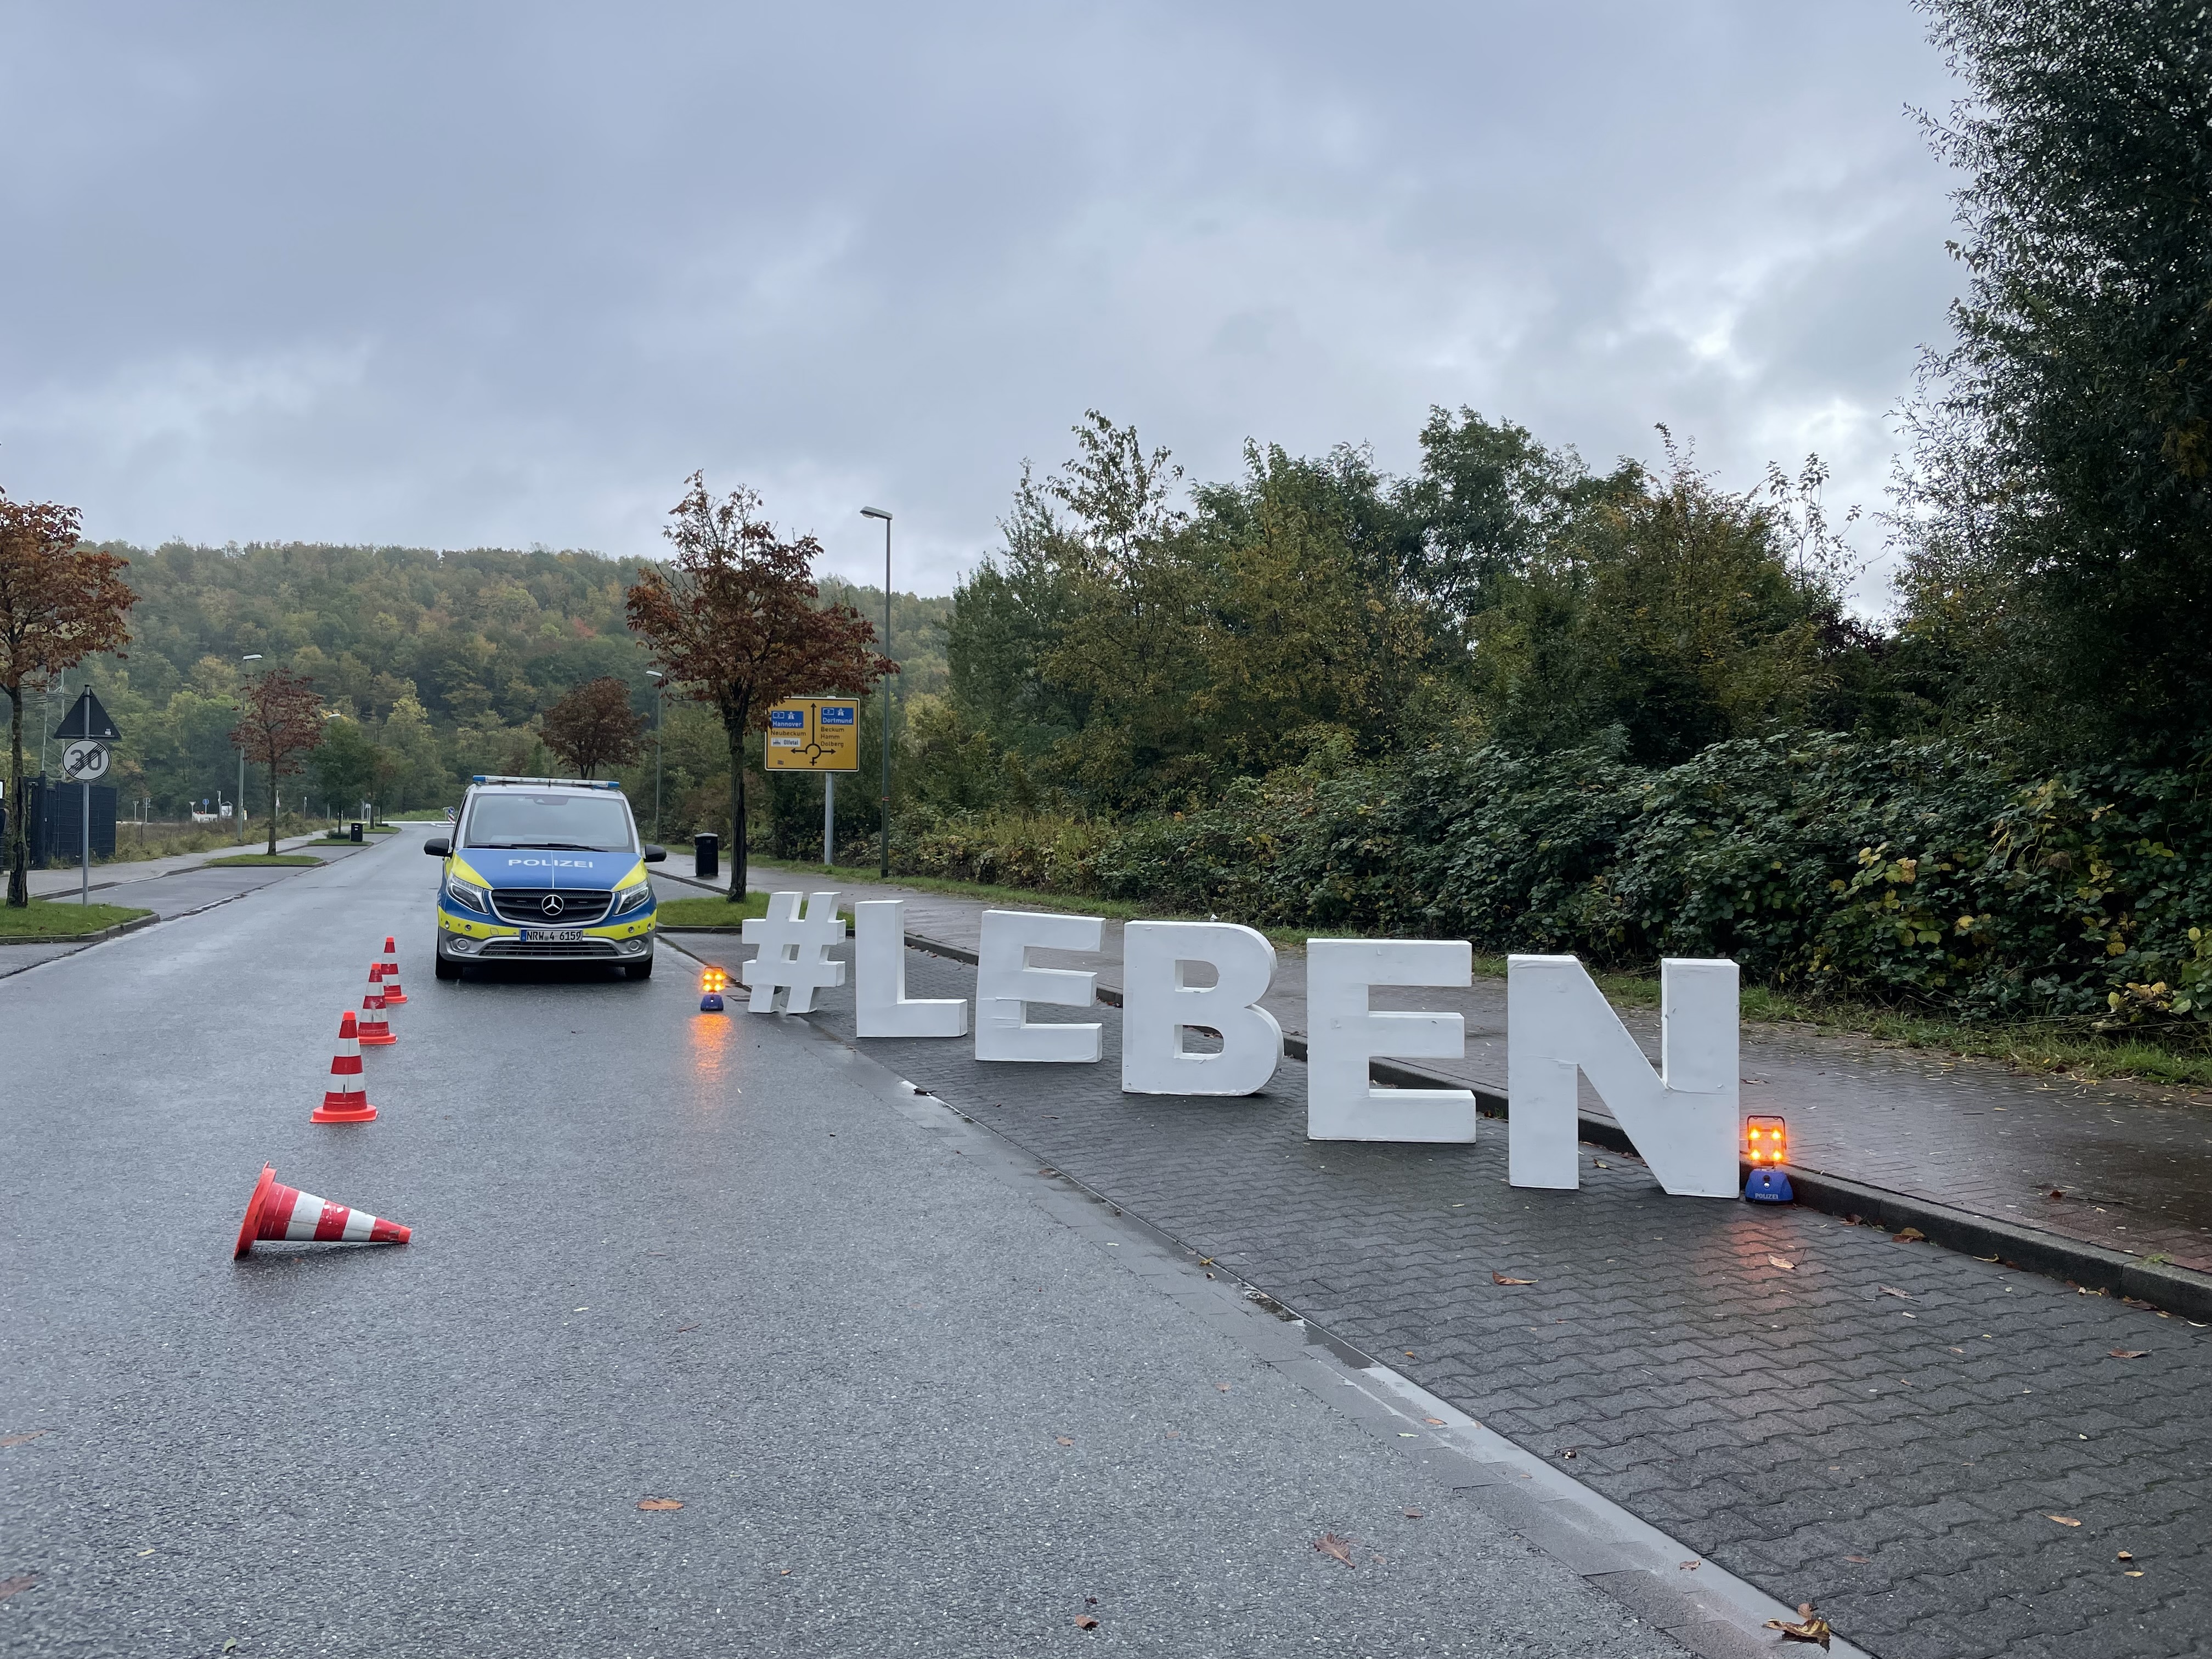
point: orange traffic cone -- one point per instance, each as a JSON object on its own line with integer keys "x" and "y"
{"x": 278, "y": 1213}
{"x": 345, "y": 1102}
{"x": 373, "y": 1028}
{"x": 393, "y": 996}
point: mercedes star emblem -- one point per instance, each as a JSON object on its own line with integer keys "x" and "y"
{"x": 552, "y": 907}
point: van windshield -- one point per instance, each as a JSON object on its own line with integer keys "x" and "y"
{"x": 578, "y": 824}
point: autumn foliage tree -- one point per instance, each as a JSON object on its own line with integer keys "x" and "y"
{"x": 593, "y": 726}
{"x": 282, "y": 723}
{"x": 60, "y": 601}
{"x": 735, "y": 620}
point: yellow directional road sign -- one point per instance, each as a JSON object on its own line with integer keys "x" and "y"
{"x": 814, "y": 734}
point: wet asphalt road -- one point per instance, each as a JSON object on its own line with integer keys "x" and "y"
{"x": 657, "y": 1255}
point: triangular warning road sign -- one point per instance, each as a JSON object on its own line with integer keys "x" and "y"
{"x": 86, "y": 718}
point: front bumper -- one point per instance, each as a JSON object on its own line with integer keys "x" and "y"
{"x": 465, "y": 935}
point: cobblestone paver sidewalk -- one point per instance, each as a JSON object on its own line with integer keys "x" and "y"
{"x": 1947, "y": 1458}
{"x": 2124, "y": 1165}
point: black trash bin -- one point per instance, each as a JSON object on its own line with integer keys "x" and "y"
{"x": 356, "y": 828}
{"x": 707, "y": 856}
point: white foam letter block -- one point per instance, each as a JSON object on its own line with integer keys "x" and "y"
{"x": 794, "y": 951}
{"x": 1005, "y": 983}
{"x": 882, "y": 1008}
{"x": 1343, "y": 1036}
{"x": 1157, "y": 1008}
{"x": 1683, "y": 1123}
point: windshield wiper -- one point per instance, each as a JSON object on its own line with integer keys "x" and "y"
{"x": 542, "y": 847}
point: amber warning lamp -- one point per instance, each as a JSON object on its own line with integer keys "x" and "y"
{"x": 1767, "y": 1149}
{"x": 712, "y": 984}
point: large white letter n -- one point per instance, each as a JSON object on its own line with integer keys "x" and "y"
{"x": 1683, "y": 1123}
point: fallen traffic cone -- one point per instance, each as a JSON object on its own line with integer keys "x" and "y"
{"x": 393, "y": 996}
{"x": 345, "y": 1102}
{"x": 373, "y": 1028}
{"x": 278, "y": 1213}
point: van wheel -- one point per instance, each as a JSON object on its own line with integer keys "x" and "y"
{"x": 639, "y": 970}
{"x": 447, "y": 970}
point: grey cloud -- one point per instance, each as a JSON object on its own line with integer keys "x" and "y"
{"x": 469, "y": 275}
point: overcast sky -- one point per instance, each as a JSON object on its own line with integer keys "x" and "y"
{"x": 453, "y": 274}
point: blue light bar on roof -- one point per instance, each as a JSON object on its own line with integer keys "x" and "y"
{"x": 558, "y": 783}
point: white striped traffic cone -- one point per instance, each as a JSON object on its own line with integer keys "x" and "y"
{"x": 345, "y": 1102}
{"x": 393, "y": 996}
{"x": 278, "y": 1213}
{"x": 373, "y": 1028}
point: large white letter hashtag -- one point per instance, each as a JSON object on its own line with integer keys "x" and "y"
{"x": 793, "y": 951}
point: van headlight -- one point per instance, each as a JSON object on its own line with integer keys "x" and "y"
{"x": 468, "y": 894}
{"x": 636, "y": 899}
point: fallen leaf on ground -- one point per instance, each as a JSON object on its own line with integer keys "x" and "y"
{"x": 1410, "y": 1354}
{"x": 1084, "y": 1621}
{"x": 2063, "y": 1520}
{"x": 1337, "y": 1548}
{"x": 1809, "y": 1627}
{"x": 18, "y": 1439}
{"x": 1498, "y": 1278}
{"x": 1858, "y": 1560}
{"x": 1223, "y": 1387}
{"x": 1888, "y": 1291}
{"x": 660, "y": 1503}
{"x": 1434, "y": 1422}
{"x": 1689, "y": 1566}
{"x": 680, "y": 1329}
{"x": 2130, "y": 1354}
{"x": 15, "y": 1586}
{"x": 1061, "y": 1440}
{"x": 1911, "y": 1235}
{"x": 2131, "y": 1572}
{"x": 2124, "y": 1555}
{"x": 1782, "y": 1262}
{"x": 1412, "y": 1515}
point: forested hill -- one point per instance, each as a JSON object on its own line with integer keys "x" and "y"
{"x": 446, "y": 658}
{"x": 486, "y": 632}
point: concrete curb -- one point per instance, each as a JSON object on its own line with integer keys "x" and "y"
{"x": 2086, "y": 1267}
{"x": 93, "y": 937}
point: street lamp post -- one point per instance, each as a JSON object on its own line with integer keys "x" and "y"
{"x": 658, "y": 686}
{"x": 877, "y": 513}
{"x": 238, "y": 807}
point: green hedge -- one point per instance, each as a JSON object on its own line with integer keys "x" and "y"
{"x": 1903, "y": 871}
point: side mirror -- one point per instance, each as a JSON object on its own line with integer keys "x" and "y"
{"x": 654, "y": 855}
{"x": 437, "y": 847}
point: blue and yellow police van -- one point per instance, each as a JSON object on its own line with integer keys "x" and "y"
{"x": 544, "y": 869}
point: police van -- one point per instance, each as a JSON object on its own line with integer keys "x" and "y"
{"x": 544, "y": 869}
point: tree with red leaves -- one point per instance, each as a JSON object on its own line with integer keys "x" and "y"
{"x": 593, "y": 726}
{"x": 60, "y": 601}
{"x": 283, "y": 722}
{"x": 735, "y": 620}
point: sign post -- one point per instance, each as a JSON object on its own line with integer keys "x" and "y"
{"x": 88, "y": 730}
{"x": 815, "y": 734}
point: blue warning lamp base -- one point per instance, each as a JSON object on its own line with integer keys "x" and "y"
{"x": 711, "y": 1003}
{"x": 1768, "y": 1187}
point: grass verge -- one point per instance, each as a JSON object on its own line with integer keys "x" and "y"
{"x": 263, "y": 860}
{"x": 1023, "y": 898}
{"x": 43, "y": 918}
{"x": 2039, "y": 1046}
{"x": 706, "y": 912}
